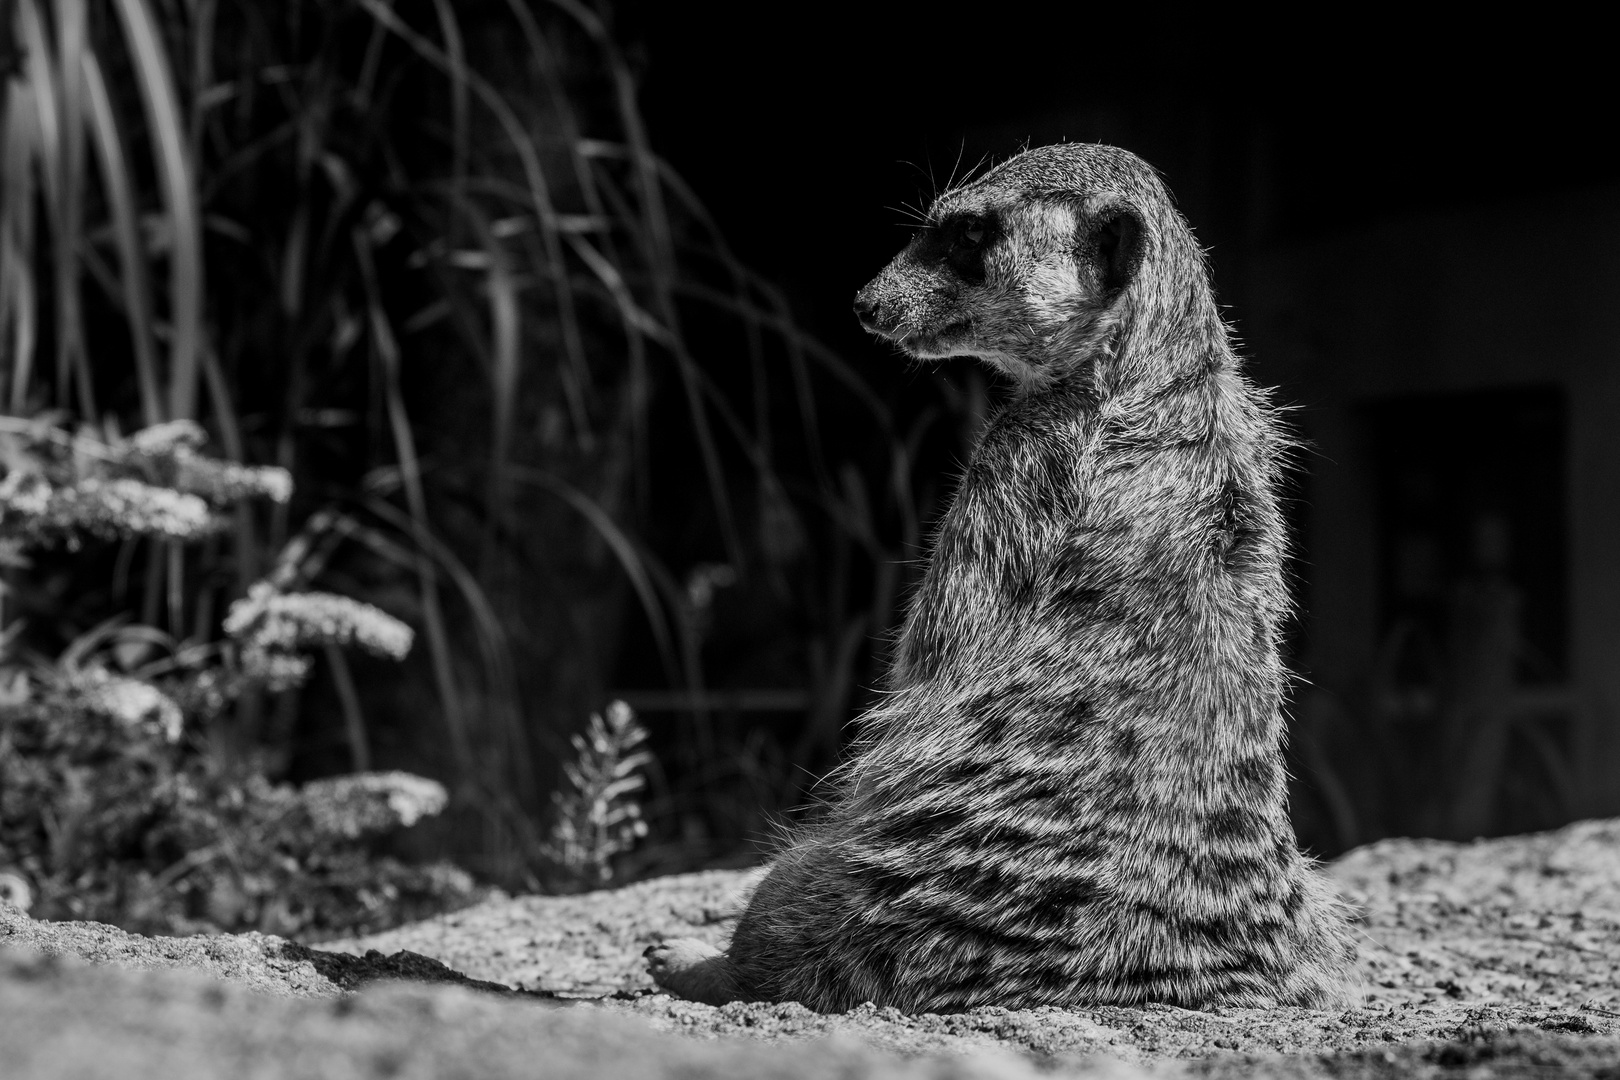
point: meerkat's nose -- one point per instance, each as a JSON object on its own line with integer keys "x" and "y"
{"x": 866, "y": 308}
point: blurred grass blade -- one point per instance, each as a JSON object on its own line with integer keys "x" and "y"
{"x": 663, "y": 277}
{"x": 69, "y": 197}
{"x": 168, "y": 133}
{"x": 488, "y": 630}
{"x": 386, "y": 350}
{"x": 83, "y": 645}
{"x": 119, "y": 188}
{"x": 175, "y": 576}
{"x": 219, "y": 394}
{"x": 549, "y": 67}
{"x": 354, "y": 719}
{"x": 659, "y": 252}
{"x": 41, "y": 80}
{"x": 523, "y": 145}
{"x": 505, "y": 327}
{"x": 202, "y": 69}
{"x": 492, "y": 644}
{"x": 659, "y": 244}
{"x": 455, "y": 54}
{"x": 625, "y": 550}
{"x": 44, "y": 87}
{"x": 18, "y": 299}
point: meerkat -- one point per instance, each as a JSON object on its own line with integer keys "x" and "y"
{"x": 1073, "y": 790}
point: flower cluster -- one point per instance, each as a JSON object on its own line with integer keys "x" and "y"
{"x": 271, "y": 626}
{"x": 130, "y": 702}
{"x": 168, "y": 454}
{"x": 275, "y": 671}
{"x": 137, "y": 708}
{"x": 58, "y": 488}
{"x": 371, "y": 804}
{"x": 35, "y": 511}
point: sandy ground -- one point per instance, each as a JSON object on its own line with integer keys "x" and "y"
{"x": 1499, "y": 958}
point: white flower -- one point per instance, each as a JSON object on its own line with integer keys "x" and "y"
{"x": 226, "y": 481}
{"x": 134, "y": 507}
{"x": 25, "y": 494}
{"x": 277, "y": 670}
{"x": 131, "y": 702}
{"x": 378, "y": 802}
{"x": 167, "y": 438}
{"x": 243, "y": 612}
{"x": 124, "y": 507}
{"x": 276, "y": 621}
{"x": 410, "y": 796}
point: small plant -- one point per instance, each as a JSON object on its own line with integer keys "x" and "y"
{"x": 599, "y": 817}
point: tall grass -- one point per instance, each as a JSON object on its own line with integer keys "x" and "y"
{"x": 422, "y": 255}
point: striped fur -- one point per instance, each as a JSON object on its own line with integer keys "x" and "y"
{"x": 1073, "y": 791}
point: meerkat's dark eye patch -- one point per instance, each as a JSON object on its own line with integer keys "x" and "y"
{"x": 1117, "y": 240}
{"x": 957, "y": 241}
{"x": 970, "y": 236}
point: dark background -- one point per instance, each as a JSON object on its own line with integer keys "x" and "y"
{"x": 805, "y": 135}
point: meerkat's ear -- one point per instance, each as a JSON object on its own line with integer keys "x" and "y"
{"x": 1117, "y": 239}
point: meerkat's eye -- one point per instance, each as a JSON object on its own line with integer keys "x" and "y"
{"x": 966, "y": 243}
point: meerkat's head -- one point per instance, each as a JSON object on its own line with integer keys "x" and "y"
{"x": 1030, "y": 266}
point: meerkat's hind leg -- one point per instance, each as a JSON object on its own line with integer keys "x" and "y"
{"x": 695, "y": 970}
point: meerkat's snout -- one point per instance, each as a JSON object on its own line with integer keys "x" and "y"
{"x": 868, "y": 307}
{"x": 926, "y": 299}
{"x": 884, "y": 304}
{"x": 916, "y": 305}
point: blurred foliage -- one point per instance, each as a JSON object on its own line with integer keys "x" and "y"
{"x": 106, "y": 811}
{"x": 420, "y": 256}
{"x": 109, "y": 821}
{"x": 60, "y": 488}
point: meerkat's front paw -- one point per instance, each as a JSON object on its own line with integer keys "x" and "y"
{"x": 675, "y": 955}
{"x": 693, "y": 970}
